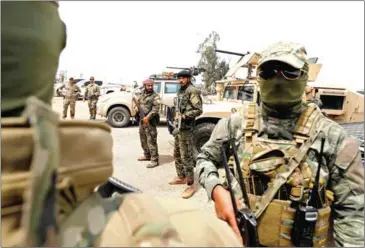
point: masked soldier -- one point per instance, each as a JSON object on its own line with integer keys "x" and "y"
{"x": 189, "y": 106}
{"x": 279, "y": 151}
{"x": 92, "y": 94}
{"x": 48, "y": 194}
{"x": 72, "y": 92}
{"x": 148, "y": 104}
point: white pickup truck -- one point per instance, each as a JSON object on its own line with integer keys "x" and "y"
{"x": 119, "y": 108}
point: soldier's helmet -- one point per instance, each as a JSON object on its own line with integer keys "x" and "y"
{"x": 184, "y": 73}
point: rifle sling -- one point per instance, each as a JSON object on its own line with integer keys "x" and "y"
{"x": 282, "y": 177}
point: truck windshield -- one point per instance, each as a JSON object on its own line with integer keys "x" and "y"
{"x": 229, "y": 92}
{"x": 245, "y": 93}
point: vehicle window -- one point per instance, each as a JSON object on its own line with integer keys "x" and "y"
{"x": 229, "y": 92}
{"x": 157, "y": 87}
{"x": 245, "y": 93}
{"x": 171, "y": 88}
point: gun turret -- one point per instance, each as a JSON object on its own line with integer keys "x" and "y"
{"x": 232, "y": 53}
{"x": 194, "y": 71}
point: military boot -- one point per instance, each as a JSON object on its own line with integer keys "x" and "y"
{"x": 153, "y": 164}
{"x": 178, "y": 180}
{"x": 144, "y": 158}
{"x": 188, "y": 192}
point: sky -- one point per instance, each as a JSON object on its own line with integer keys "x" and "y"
{"x": 123, "y": 41}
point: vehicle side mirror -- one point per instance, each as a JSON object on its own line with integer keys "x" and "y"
{"x": 175, "y": 101}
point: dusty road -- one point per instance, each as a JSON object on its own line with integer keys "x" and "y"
{"x": 126, "y": 167}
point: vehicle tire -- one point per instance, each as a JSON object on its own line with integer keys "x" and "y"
{"x": 201, "y": 135}
{"x": 118, "y": 117}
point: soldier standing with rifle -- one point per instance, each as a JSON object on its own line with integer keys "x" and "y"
{"x": 92, "y": 94}
{"x": 148, "y": 104}
{"x": 189, "y": 106}
{"x": 298, "y": 165}
{"x": 72, "y": 93}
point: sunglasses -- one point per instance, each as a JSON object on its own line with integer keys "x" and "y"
{"x": 287, "y": 72}
{"x": 91, "y": 79}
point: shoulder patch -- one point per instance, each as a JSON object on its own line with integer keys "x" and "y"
{"x": 347, "y": 153}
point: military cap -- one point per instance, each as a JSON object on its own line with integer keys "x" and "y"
{"x": 148, "y": 81}
{"x": 290, "y": 53}
{"x": 184, "y": 73}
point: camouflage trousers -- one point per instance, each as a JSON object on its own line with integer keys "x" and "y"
{"x": 148, "y": 137}
{"x": 184, "y": 156}
{"x": 92, "y": 107}
{"x": 69, "y": 102}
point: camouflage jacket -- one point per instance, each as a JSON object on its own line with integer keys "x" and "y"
{"x": 71, "y": 91}
{"x": 144, "y": 100}
{"x": 190, "y": 103}
{"x": 92, "y": 92}
{"x": 342, "y": 171}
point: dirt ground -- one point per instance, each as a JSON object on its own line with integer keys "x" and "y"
{"x": 126, "y": 167}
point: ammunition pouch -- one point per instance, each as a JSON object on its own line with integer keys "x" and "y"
{"x": 276, "y": 223}
{"x": 85, "y": 162}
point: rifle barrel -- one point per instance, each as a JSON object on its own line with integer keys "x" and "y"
{"x": 240, "y": 177}
{"x": 232, "y": 53}
{"x": 229, "y": 182}
{"x": 180, "y": 68}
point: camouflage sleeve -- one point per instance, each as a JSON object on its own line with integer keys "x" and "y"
{"x": 155, "y": 105}
{"x": 197, "y": 104}
{"x": 210, "y": 160}
{"x": 86, "y": 92}
{"x": 347, "y": 183}
{"x": 97, "y": 93}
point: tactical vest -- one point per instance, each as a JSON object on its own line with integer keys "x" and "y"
{"x": 277, "y": 175}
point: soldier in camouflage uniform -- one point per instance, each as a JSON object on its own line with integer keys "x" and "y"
{"x": 149, "y": 102}
{"x": 46, "y": 199}
{"x": 268, "y": 138}
{"x": 92, "y": 94}
{"x": 189, "y": 106}
{"x": 70, "y": 97}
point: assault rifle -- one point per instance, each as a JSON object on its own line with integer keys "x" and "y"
{"x": 246, "y": 220}
{"x": 306, "y": 215}
{"x": 177, "y": 124}
{"x": 142, "y": 114}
